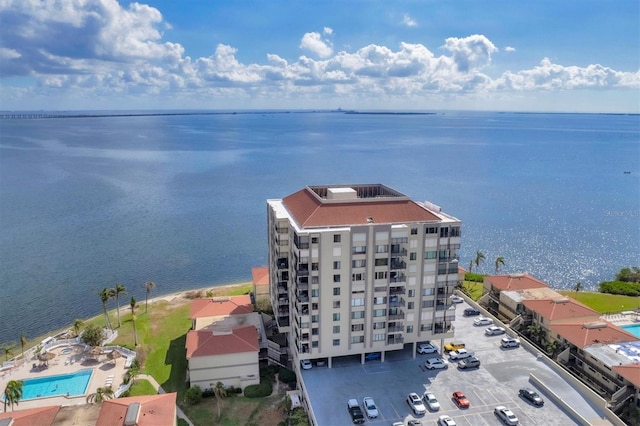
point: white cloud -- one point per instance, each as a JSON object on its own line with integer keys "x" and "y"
{"x": 315, "y": 44}
{"x": 327, "y": 30}
{"x": 409, "y": 21}
{"x": 509, "y": 49}
{"x": 469, "y": 53}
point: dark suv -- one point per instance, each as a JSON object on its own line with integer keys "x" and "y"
{"x": 471, "y": 312}
{"x": 531, "y": 396}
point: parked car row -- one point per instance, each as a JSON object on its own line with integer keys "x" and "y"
{"x": 370, "y": 408}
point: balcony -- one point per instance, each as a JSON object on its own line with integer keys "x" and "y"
{"x": 443, "y": 328}
{"x": 283, "y": 263}
{"x": 302, "y": 272}
{"x": 283, "y": 311}
{"x": 395, "y": 329}
{"x": 398, "y": 251}
{"x": 395, "y": 340}
{"x": 398, "y": 316}
{"x": 397, "y": 277}
{"x": 395, "y": 302}
{"x": 395, "y": 265}
{"x": 303, "y": 286}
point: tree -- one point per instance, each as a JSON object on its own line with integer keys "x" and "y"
{"x": 8, "y": 350}
{"x": 12, "y": 393}
{"x": 23, "y": 343}
{"x": 577, "y": 287}
{"x": 148, "y": 286}
{"x": 499, "y": 262}
{"x": 220, "y": 393}
{"x": 479, "y": 258}
{"x": 93, "y": 335}
{"x": 132, "y": 304}
{"x": 105, "y": 295}
{"x": 536, "y": 332}
{"x": 630, "y": 275}
{"x": 193, "y": 395}
{"x": 471, "y": 265}
{"x": 77, "y": 326}
{"x": 132, "y": 372}
{"x": 118, "y": 291}
{"x": 101, "y": 394}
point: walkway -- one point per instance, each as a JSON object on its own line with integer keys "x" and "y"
{"x": 160, "y": 390}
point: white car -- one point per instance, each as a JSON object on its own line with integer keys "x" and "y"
{"x": 436, "y": 363}
{"x": 431, "y": 401}
{"x": 445, "y": 420}
{"x": 456, "y": 299}
{"x": 494, "y": 330}
{"x": 482, "y": 321}
{"x": 506, "y": 415}
{"x": 415, "y": 402}
{"x": 460, "y": 354}
{"x": 427, "y": 348}
{"x": 370, "y": 407}
{"x": 306, "y": 364}
{"x": 509, "y": 342}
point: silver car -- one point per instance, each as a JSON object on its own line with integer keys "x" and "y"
{"x": 370, "y": 407}
{"x": 506, "y": 415}
{"x": 415, "y": 402}
{"x": 431, "y": 401}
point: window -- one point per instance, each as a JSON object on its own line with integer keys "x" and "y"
{"x": 314, "y": 331}
{"x": 336, "y": 264}
{"x": 314, "y": 266}
{"x": 359, "y": 263}
{"x": 430, "y": 254}
{"x": 411, "y": 293}
{"x": 357, "y": 302}
{"x": 315, "y": 318}
{"x": 413, "y": 255}
{"x": 378, "y": 337}
{"x": 427, "y": 292}
{"x": 357, "y": 314}
{"x": 379, "y": 300}
{"x": 336, "y": 304}
{"x": 357, "y": 277}
{"x": 315, "y": 292}
{"x": 336, "y": 238}
{"x": 315, "y": 280}
{"x": 427, "y": 304}
{"x": 380, "y": 313}
{"x": 455, "y": 231}
{"x": 431, "y": 230}
{"x": 409, "y": 329}
{"x": 359, "y": 250}
{"x": 410, "y": 305}
{"x": 336, "y": 291}
{"x": 314, "y": 344}
{"x": 379, "y": 325}
{"x": 357, "y": 327}
{"x": 314, "y": 306}
{"x": 382, "y": 248}
{"x": 336, "y": 329}
{"x": 382, "y": 262}
{"x": 357, "y": 339}
{"x": 381, "y": 275}
{"x": 336, "y": 278}
{"x": 336, "y": 342}
{"x": 444, "y": 232}
{"x": 414, "y": 230}
{"x": 314, "y": 240}
{"x": 336, "y": 316}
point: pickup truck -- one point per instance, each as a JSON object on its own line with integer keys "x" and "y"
{"x": 357, "y": 416}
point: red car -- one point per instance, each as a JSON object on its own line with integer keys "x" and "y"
{"x": 461, "y": 400}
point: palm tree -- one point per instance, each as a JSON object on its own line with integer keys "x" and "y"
{"x": 77, "y": 326}
{"x": 499, "y": 262}
{"x": 105, "y": 295}
{"x": 118, "y": 291}
{"x": 12, "y": 393}
{"x": 219, "y": 392}
{"x": 577, "y": 287}
{"x": 23, "y": 343}
{"x": 132, "y": 304}
{"x": 479, "y": 258}
{"x": 8, "y": 350}
{"x": 101, "y": 394}
{"x": 471, "y": 265}
{"x": 148, "y": 286}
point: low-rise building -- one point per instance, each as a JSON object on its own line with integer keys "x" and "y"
{"x": 260, "y": 278}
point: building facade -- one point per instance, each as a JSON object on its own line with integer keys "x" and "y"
{"x": 360, "y": 269}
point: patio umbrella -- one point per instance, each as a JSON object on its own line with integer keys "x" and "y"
{"x": 114, "y": 354}
{"x": 46, "y": 356}
{"x": 95, "y": 351}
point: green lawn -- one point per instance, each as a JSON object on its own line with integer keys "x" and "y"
{"x": 473, "y": 289}
{"x": 603, "y": 302}
{"x": 142, "y": 387}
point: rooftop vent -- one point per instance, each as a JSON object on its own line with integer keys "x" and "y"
{"x": 341, "y": 194}
{"x": 131, "y": 418}
{"x": 595, "y": 325}
{"x": 560, "y": 300}
{"x": 369, "y": 219}
{"x": 518, "y": 275}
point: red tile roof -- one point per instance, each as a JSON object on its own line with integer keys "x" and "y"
{"x": 155, "y": 410}
{"x": 221, "y": 306}
{"x": 260, "y": 275}
{"x": 584, "y": 334}
{"x": 514, "y": 282}
{"x": 561, "y": 308}
{"x": 631, "y": 372}
{"x": 41, "y": 416}
{"x": 207, "y": 342}
{"x": 309, "y": 211}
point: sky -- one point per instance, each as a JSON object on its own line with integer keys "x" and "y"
{"x": 501, "y": 55}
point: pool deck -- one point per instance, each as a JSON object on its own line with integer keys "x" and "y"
{"x": 104, "y": 370}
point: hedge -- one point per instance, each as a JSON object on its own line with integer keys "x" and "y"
{"x": 265, "y": 388}
{"x": 620, "y": 287}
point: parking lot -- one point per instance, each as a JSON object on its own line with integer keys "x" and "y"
{"x": 496, "y": 382}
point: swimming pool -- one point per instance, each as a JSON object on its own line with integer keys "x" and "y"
{"x": 66, "y": 351}
{"x": 73, "y": 384}
{"x": 633, "y": 329}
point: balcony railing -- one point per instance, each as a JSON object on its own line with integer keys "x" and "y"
{"x": 398, "y": 316}
{"x": 393, "y": 291}
{"x": 395, "y": 339}
{"x": 398, "y": 265}
{"x": 395, "y": 329}
{"x": 396, "y": 303}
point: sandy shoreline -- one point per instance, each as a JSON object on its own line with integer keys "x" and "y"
{"x": 217, "y": 290}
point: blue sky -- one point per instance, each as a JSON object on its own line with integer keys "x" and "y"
{"x": 287, "y": 54}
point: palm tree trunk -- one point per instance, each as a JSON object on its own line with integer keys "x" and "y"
{"x": 107, "y": 323}
{"x": 118, "y": 309}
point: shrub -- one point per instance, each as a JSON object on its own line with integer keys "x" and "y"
{"x": 193, "y": 395}
{"x": 299, "y": 417}
{"x": 472, "y": 276}
{"x": 233, "y": 391}
{"x": 620, "y": 287}
{"x": 195, "y": 294}
{"x": 182, "y": 422}
{"x": 259, "y": 391}
{"x": 286, "y": 376}
{"x": 93, "y": 335}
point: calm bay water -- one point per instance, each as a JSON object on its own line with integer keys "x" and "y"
{"x": 181, "y": 200}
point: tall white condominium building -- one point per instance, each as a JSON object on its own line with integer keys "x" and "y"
{"x": 360, "y": 269}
